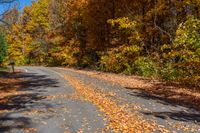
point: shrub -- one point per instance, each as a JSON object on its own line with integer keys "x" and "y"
{"x": 184, "y": 52}
{"x": 168, "y": 72}
{"x": 146, "y": 67}
{"x": 130, "y": 69}
{"x": 120, "y": 59}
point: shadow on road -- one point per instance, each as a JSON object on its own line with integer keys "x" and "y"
{"x": 176, "y": 115}
{"x": 28, "y": 94}
{"x": 188, "y": 114}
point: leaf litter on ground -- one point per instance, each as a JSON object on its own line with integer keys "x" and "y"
{"x": 118, "y": 117}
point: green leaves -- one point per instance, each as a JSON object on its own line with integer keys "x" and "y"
{"x": 188, "y": 33}
{"x": 3, "y": 48}
{"x": 185, "y": 52}
{"x": 146, "y": 67}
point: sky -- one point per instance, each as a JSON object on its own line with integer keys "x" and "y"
{"x": 21, "y": 4}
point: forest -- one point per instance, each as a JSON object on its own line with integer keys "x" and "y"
{"x": 152, "y": 38}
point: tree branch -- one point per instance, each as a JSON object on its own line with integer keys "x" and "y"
{"x": 7, "y": 10}
{"x": 7, "y": 1}
{"x": 161, "y": 30}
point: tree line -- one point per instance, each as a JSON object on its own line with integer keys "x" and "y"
{"x": 154, "y": 38}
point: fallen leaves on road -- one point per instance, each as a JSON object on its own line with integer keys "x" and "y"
{"x": 184, "y": 127}
{"x": 120, "y": 120}
{"x": 62, "y": 96}
{"x": 30, "y": 130}
{"x": 9, "y": 87}
{"x": 34, "y": 112}
{"x": 166, "y": 91}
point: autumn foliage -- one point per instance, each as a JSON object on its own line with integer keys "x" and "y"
{"x": 150, "y": 38}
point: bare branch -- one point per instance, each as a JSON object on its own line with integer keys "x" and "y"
{"x": 161, "y": 30}
{"x": 131, "y": 13}
{"x": 8, "y": 3}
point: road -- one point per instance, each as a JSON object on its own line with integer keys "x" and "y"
{"x": 49, "y": 106}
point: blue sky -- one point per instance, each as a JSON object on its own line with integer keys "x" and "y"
{"x": 22, "y": 3}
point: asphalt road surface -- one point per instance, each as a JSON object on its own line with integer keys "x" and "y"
{"x": 40, "y": 111}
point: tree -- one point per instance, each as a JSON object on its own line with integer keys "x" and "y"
{"x": 3, "y": 48}
{"x": 185, "y": 51}
{"x": 27, "y": 38}
{"x": 114, "y": 35}
{"x": 15, "y": 50}
{"x": 8, "y": 3}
